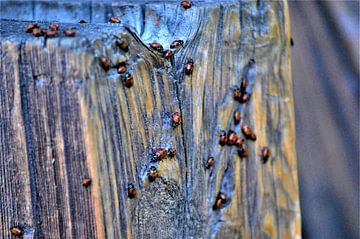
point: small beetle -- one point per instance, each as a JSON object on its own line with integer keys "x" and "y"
{"x": 210, "y": 162}
{"x": 176, "y": 119}
{"x": 223, "y": 197}
{"x": 51, "y": 33}
{"x": 156, "y": 46}
{"x": 189, "y": 67}
{"x": 105, "y": 63}
{"x": 223, "y": 138}
{"x": 237, "y": 117}
{"x": 232, "y": 137}
{"x": 86, "y": 182}
{"x": 128, "y": 80}
{"x": 220, "y": 200}
{"x": 237, "y": 93}
{"x": 239, "y": 142}
{"x": 69, "y": 32}
{"x": 186, "y": 4}
{"x": 115, "y": 20}
{"x": 246, "y": 131}
{"x": 82, "y": 21}
{"x": 54, "y": 26}
{"x": 152, "y": 174}
{"x": 122, "y": 44}
{"x": 159, "y": 154}
{"x": 176, "y": 43}
{"x": 37, "y": 32}
{"x": 16, "y": 231}
{"x": 244, "y": 84}
{"x": 252, "y": 61}
{"x": 243, "y": 153}
{"x": 171, "y": 151}
{"x": 121, "y": 68}
{"x": 131, "y": 190}
{"x": 168, "y": 54}
{"x": 291, "y": 41}
{"x": 265, "y": 154}
{"x": 30, "y": 27}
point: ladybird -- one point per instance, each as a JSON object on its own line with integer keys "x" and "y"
{"x": 115, "y": 20}
{"x": 30, "y": 27}
{"x": 121, "y": 68}
{"x": 232, "y": 137}
{"x": 265, "y": 154}
{"x": 82, "y": 21}
{"x": 152, "y": 173}
{"x": 210, "y": 162}
{"x": 51, "y": 33}
{"x": 105, "y": 63}
{"x": 131, "y": 190}
{"x": 237, "y": 117}
{"x": 156, "y": 46}
{"x": 37, "y": 32}
{"x": 168, "y": 54}
{"x": 239, "y": 142}
{"x": 237, "y": 93}
{"x": 189, "y": 67}
{"x": 54, "y": 26}
{"x": 243, "y": 153}
{"x": 16, "y": 231}
{"x": 244, "y": 84}
{"x": 176, "y": 43}
{"x": 171, "y": 151}
{"x": 220, "y": 200}
{"x": 246, "y": 131}
{"x": 128, "y": 80}
{"x": 122, "y": 44}
{"x": 186, "y": 4}
{"x": 223, "y": 138}
{"x": 218, "y": 204}
{"x": 176, "y": 119}
{"x": 69, "y": 32}
{"x": 159, "y": 154}
{"x": 86, "y": 182}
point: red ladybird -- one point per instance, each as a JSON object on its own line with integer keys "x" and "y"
{"x": 176, "y": 43}
{"x": 186, "y": 4}
{"x": 176, "y": 119}
{"x": 115, "y": 20}
{"x": 159, "y": 154}
{"x": 156, "y": 46}
{"x": 232, "y": 137}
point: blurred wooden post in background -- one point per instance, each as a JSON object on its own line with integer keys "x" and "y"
{"x": 63, "y": 118}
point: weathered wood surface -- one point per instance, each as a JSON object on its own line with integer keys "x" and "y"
{"x": 63, "y": 118}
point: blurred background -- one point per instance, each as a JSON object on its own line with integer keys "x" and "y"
{"x": 325, "y": 73}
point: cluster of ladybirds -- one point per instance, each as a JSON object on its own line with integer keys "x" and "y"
{"x": 229, "y": 138}
{"x": 52, "y": 31}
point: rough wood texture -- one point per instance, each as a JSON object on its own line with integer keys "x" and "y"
{"x": 63, "y": 118}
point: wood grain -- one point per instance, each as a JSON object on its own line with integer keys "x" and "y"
{"x": 69, "y": 119}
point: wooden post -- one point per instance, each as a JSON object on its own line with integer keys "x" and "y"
{"x": 63, "y": 118}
